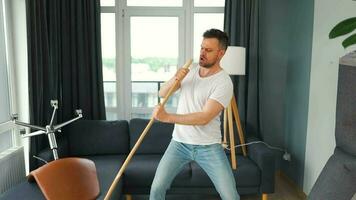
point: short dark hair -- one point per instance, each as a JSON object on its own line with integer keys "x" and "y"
{"x": 218, "y": 34}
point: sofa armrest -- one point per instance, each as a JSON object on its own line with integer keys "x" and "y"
{"x": 264, "y": 158}
{"x": 47, "y": 154}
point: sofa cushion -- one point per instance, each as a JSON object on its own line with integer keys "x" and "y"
{"x": 156, "y": 140}
{"x": 107, "y": 167}
{"x": 246, "y": 175}
{"x": 337, "y": 179}
{"x": 97, "y": 137}
{"x": 142, "y": 168}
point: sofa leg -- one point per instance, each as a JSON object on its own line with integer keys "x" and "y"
{"x": 264, "y": 197}
{"x": 128, "y": 197}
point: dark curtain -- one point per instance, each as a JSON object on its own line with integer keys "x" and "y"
{"x": 64, "y": 60}
{"x": 241, "y": 24}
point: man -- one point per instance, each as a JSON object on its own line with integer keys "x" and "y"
{"x": 205, "y": 92}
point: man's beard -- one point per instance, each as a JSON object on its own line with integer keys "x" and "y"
{"x": 207, "y": 65}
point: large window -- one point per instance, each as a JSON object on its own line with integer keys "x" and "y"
{"x": 144, "y": 43}
{"x": 154, "y": 59}
{"x": 155, "y": 3}
{"x": 6, "y": 127}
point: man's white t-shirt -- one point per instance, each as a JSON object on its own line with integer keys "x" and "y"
{"x": 194, "y": 93}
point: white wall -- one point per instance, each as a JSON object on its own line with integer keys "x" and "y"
{"x": 323, "y": 85}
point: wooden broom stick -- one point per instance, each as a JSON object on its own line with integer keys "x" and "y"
{"x": 140, "y": 139}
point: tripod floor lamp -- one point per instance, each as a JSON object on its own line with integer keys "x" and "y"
{"x": 233, "y": 63}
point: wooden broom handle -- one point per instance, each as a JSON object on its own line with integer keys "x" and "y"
{"x": 143, "y": 134}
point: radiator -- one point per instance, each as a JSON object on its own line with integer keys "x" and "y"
{"x": 12, "y": 168}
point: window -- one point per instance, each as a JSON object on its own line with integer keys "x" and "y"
{"x": 204, "y": 21}
{"x": 109, "y": 58}
{"x": 107, "y": 2}
{"x": 144, "y": 43}
{"x": 6, "y": 127}
{"x": 152, "y": 62}
{"x": 154, "y": 3}
{"x": 209, "y": 3}
{"x": 4, "y": 88}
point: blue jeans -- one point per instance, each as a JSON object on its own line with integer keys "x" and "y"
{"x": 211, "y": 158}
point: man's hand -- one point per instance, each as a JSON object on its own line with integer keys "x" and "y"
{"x": 160, "y": 114}
{"x": 181, "y": 73}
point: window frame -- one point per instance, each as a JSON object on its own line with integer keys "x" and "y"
{"x": 6, "y": 37}
{"x": 123, "y": 13}
{"x": 143, "y": 12}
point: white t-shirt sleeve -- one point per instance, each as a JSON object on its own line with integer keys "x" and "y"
{"x": 223, "y": 92}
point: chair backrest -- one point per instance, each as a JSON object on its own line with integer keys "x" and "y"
{"x": 67, "y": 178}
{"x": 345, "y": 128}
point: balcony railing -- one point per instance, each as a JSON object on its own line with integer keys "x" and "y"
{"x": 144, "y": 97}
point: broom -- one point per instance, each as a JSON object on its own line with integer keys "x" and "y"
{"x": 143, "y": 134}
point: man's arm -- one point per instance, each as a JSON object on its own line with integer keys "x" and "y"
{"x": 181, "y": 73}
{"x": 210, "y": 110}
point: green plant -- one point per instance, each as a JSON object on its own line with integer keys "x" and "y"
{"x": 344, "y": 27}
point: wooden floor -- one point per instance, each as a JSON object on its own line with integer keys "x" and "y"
{"x": 284, "y": 190}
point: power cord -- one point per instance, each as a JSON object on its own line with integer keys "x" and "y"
{"x": 286, "y": 155}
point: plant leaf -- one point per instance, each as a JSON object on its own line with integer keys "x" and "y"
{"x": 344, "y": 27}
{"x": 349, "y": 41}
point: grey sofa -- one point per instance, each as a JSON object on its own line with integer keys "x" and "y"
{"x": 337, "y": 180}
{"x": 107, "y": 143}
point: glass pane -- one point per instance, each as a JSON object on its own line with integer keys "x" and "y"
{"x": 4, "y": 87}
{"x": 168, "y": 3}
{"x": 110, "y": 93}
{"x": 4, "y": 97}
{"x": 154, "y": 48}
{"x": 111, "y": 116}
{"x": 209, "y": 3}
{"x": 173, "y": 100}
{"x": 5, "y": 140}
{"x": 203, "y": 22}
{"x": 108, "y": 46}
{"x": 141, "y": 115}
{"x": 107, "y": 2}
{"x": 144, "y": 94}
{"x": 108, "y": 56}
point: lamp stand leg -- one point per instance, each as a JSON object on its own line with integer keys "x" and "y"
{"x": 128, "y": 197}
{"x": 264, "y": 196}
{"x": 238, "y": 123}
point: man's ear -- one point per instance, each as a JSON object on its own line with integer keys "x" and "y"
{"x": 221, "y": 53}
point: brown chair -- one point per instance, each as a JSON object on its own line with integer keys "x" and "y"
{"x": 67, "y": 178}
